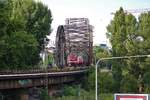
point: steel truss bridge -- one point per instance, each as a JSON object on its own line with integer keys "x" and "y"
{"x": 75, "y": 37}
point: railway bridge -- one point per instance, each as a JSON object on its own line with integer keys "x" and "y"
{"x": 74, "y": 46}
{"x": 29, "y": 79}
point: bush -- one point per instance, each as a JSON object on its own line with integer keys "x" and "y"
{"x": 146, "y": 80}
{"x": 84, "y": 96}
{"x": 129, "y": 84}
{"x": 44, "y": 95}
{"x": 70, "y": 91}
{"x": 88, "y": 82}
{"x": 105, "y": 82}
{"x": 106, "y": 97}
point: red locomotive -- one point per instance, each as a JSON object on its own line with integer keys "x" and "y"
{"x": 73, "y": 60}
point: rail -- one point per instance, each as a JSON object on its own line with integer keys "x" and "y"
{"x": 41, "y": 70}
{"x": 38, "y": 74}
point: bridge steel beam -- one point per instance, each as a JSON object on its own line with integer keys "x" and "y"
{"x": 14, "y": 81}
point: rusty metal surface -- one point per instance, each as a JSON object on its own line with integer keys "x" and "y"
{"x": 74, "y": 37}
{"x": 12, "y": 81}
{"x": 14, "y": 84}
{"x": 40, "y": 75}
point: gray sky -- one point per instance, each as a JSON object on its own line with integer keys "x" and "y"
{"x": 98, "y": 12}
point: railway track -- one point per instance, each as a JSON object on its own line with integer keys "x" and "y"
{"x": 36, "y": 75}
{"x": 41, "y": 70}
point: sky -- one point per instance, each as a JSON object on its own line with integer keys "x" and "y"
{"x": 97, "y": 11}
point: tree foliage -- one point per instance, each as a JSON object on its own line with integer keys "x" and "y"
{"x": 129, "y": 84}
{"x": 117, "y": 35}
{"x": 129, "y": 37}
{"x": 39, "y": 22}
{"x": 23, "y": 26}
{"x": 106, "y": 82}
{"x": 44, "y": 95}
{"x": 101, "y": 52}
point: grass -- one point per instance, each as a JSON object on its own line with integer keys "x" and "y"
{"x": 76, "y": 98}
{"x": 106, "y": 97}
{"x": 87, "y": 97}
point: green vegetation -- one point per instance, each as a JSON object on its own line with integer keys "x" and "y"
{"x": 106, "y": 96}
{"x": 105, "y": 82}
{"x": 87, "y": 96}
{"x": 71, "y": 91}
{"x": 129, "y": 36}
{"x": 44, "y": 95}
{"x": 84, "y": 96}
{"x": 86, "y": 89}
{"x": 23, "y": 26}
{"x": 100, "y": 52}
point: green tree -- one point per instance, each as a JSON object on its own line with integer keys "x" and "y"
{"x": 39, "y": 22}
{"x": 89, "y": 82}
{"x": 116, "y": 32}
{"x": 100, "y": 52}
{"x": 129, "y": 37}
{"x": 44, "y": 95}
{"x": 4, "y": 23}
{"x": 36, "y": 18}
{"x": 106, "y": 82}
{"x": 4, "y": 17}
{"x": 70, "y": 91}
{"x": 143, "y": 46}
{"x": 129, "y": 84}
{"x": 20, "y": 45}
